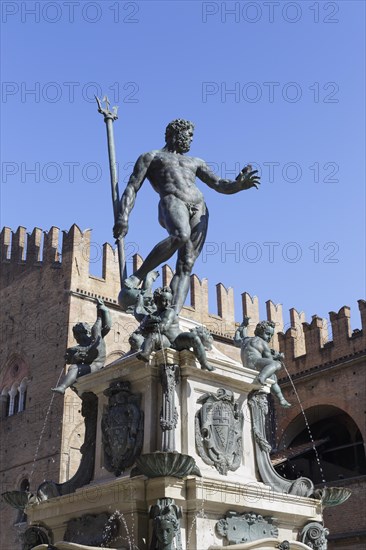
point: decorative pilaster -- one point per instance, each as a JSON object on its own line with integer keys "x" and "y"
{"x": 169, "y": 376}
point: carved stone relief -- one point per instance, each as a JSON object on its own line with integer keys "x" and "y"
{"x": 218, "y": 430}
{"x": 314, "y": 534}
{"x": 246, "y": 527}
{"x": 122, "y": 427}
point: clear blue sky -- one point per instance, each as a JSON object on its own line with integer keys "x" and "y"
{"x": 296, "y": 108}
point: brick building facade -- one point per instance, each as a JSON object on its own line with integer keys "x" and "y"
{"x": 46, "y": 288}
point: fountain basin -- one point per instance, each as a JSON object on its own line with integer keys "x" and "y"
{"x": 161, "y": 464}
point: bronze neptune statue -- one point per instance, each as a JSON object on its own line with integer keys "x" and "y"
{"x": 182, "y": 209}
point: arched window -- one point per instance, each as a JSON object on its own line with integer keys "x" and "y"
{"x": 6, "y": 398}
{"x": 22, "y": 395}
{"x": 339, "y": 447}
{"x": 14, "y": 382}
{"x": 16, "y": 403}
{"x": 14, "y": 399}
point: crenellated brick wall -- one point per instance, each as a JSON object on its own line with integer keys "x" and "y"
{"x": 305, "y": 344}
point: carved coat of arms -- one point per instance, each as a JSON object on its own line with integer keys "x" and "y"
{"x": 122, "y": 428}
{"x": 218, "y": 429}
{"x": 246, "y": 527}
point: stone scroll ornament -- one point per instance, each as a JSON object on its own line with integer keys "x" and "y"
{"x": 246, "y": 527}
{"x": 218, "y": 430}
{"x": 122, "y": 427}
{"x": 314, "y": 534}
{"x": 167, "y": 461}
{"x": 259, "y": 409}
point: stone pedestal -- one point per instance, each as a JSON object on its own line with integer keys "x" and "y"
{"x": 176, "y": 411}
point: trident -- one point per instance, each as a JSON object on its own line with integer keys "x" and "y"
{"x": 109, "y": 118}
